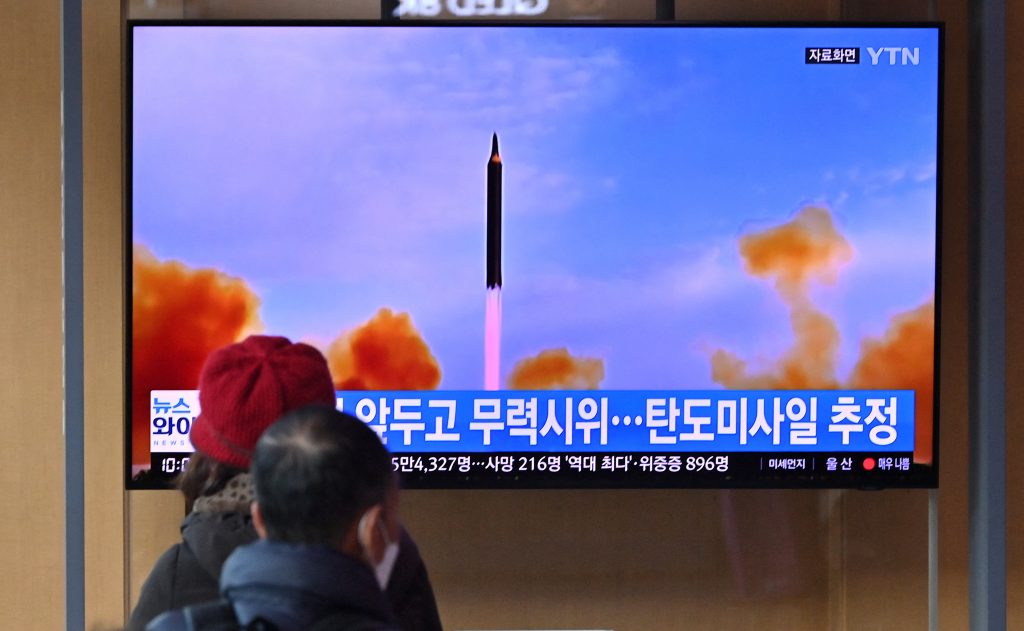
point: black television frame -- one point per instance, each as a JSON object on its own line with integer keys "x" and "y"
{"x": 919, "y": 476}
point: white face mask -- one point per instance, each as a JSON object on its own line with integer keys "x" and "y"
{"x": 387, "y": 562}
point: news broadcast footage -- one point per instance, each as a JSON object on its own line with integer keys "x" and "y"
{"x": 567, "y": 256}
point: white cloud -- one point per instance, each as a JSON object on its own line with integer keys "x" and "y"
{"x": 686, "y": 283}
{"x": 924, "y": 172}
{"x": 876, "y": 180}
{"x": 349, "y": 146}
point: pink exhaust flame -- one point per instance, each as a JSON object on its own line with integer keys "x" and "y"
{"x": 492, "y": 340}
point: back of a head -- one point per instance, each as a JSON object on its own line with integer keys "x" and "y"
{"x": 244, "y": 387}
{"x": 316, "y": 471}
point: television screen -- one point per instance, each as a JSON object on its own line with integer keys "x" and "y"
{"x": 560, "y": 255}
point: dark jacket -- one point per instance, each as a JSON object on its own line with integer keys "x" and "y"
{"x": 189, "y": 572}
{"x": 293, "y": 586}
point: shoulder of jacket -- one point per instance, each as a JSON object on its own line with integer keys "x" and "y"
{"x": 168, "y": 621}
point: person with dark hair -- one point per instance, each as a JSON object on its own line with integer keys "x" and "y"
{"x": 243, "y": 389}
{"x": 326, "y": 510}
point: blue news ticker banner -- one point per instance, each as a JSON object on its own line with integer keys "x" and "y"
{"x": 638, "y": 421}
{"x": 552, "y": 421}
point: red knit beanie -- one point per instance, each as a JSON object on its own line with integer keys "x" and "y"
{"x": 245, "y": 387}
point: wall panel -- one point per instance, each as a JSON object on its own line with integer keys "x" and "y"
{"x": 153, "y": 519}
{"x": 32, "y": 449}
{"x": 104, "y": 332}
{"x": 953, "y": 541}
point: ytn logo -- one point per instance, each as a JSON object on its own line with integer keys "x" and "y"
{"x": 906, "y": 55}
{"x": 468, "y": 8}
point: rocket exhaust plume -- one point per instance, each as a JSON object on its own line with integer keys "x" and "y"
{"x": 492, "y": 321}
{"x": 492, "y": 340}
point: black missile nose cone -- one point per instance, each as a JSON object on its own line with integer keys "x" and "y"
{"x": 494, "y": 144}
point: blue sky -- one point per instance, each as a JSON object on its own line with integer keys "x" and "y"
{"x": 342, "y": 170}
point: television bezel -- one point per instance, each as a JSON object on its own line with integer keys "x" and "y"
{"x": 920, "y": 476}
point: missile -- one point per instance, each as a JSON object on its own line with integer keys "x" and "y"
{"x": 494, "y": 216}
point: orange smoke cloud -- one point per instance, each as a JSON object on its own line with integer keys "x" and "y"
{"x": 809, "y": 248}
{"x": 903, "y": 360}
{"x": 808, "y": 365}
{"x": 386, "y": 353}
{"x": 179, "y": 316}
{"x": 554, "y": 369}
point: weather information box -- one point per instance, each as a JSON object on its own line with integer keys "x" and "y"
{"x": 556, "y": 438}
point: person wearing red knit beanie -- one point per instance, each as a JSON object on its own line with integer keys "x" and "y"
{"x": 243, "y": 389}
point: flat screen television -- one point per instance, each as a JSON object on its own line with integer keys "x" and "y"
{"x": 550, "y": 255}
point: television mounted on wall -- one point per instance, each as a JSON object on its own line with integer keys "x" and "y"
{"x": 577, "y": 255}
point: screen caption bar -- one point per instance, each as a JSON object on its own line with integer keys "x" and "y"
{"x": 531, "y": 466}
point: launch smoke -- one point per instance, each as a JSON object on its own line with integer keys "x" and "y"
{"x": 179, "y": 316}
{"x": 792, "y": 255}
{"x": 804, "y": 249}
{"x": 386, "y": 353}
{"x": 555, "y": 369}
{"x": 902, "y": 359}
{"x": 809, "y": 248}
